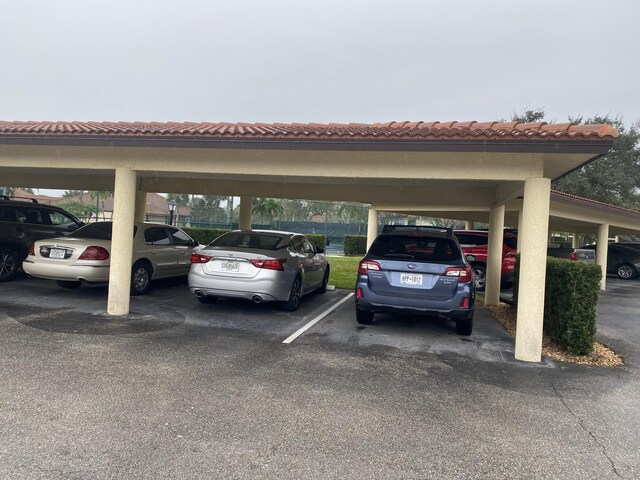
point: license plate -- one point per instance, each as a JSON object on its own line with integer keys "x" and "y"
{"x": 230, "y": 266}
{"x": 414, "y": 279}
{"x": 57, "y": 253}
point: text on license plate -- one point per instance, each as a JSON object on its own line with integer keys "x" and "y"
{"x": 57, "y": 253}
{"x": 229, "y": 266}
{"x": 411, "y": 279}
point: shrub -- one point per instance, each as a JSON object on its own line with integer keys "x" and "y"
{"x": 570, "y": 301}
{"x": 355, "y": 244}
{"x": 318, "y": 241}
{"x": 204, "y": 235}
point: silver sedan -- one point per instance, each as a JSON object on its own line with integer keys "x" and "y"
{"x": 159, "y": 251}
{"x": 260, "y": 266}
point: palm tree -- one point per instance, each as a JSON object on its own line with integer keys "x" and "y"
{"x": 267, "y": 208}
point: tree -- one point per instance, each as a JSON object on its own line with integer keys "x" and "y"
{"x": 614, "y": 178}
{"x": 207, "y": 209}
{"x": 352, "y": 213}
{"x": 79, "y": 209}
{"x": 100, "y": 197}
{"x": 72, "y": 193}
{"x": 267, "y": 208}
{"x": 529, "y": 116}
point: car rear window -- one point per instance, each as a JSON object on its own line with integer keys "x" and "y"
{"x": 511, "y": 242}
{"x": 261, "y": 241}
{"x": 427, "y": 249}
{"x": 99, "y": 230}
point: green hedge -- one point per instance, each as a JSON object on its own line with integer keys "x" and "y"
{"x": 570, "y": 301}
{"x": 204, "y": 235}
{"x": 318, "y": 241}
{"x": 355, "y": 244}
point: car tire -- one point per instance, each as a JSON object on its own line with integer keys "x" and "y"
{"x": 69, "y": 284}
{"x": 464, "y": 327}
{"x": 207, "y": 299}
{"x": 364, "y": 317}
{"x": 625, "y": 271}
{"x": 295, "y": 295}
{"x": 325, "y": 281}
{"x": 140, "y": 278}
{"x": 9, "y": 264}
{"x": 479, "y": 276}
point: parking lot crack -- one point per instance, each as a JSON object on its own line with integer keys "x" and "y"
{"x": 589, "y": 432}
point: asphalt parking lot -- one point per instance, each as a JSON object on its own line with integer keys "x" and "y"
{"x": 183, "y": 390}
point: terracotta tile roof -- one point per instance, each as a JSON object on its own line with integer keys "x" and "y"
{"x": 471, "y": 130}
{"x": 555, "y": 194}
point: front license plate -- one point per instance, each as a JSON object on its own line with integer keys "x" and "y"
{"x": 413, "y": 279}
{"x": 230, "y": 266}
{"x": 57, "y": 253}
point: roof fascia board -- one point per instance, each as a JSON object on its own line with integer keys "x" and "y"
{"x": 485, "y": 146}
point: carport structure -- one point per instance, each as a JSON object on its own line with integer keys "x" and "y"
{"x": 480, "y": 170}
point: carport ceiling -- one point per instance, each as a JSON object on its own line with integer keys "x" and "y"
{"x": 463, "y": 165}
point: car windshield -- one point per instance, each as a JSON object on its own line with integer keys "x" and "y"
{"x": 261, "y": 241}
{"x": 99, "y": 230}
{"x": 427, "y": 249}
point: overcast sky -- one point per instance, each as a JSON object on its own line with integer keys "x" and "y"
{"x": 305, "y": 61}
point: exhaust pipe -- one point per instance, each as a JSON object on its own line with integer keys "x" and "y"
{"x": 257, "y": 299}
{"x": 199, "y": 293}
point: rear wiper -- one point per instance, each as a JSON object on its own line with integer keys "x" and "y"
{"x": 398, "y": 255}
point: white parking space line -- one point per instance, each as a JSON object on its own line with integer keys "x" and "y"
{"x": 316, "y": 320}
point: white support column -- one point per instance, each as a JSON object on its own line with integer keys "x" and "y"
{"x": 575, "y": 240}
{"x": 372, "y": 226}
{"x": 469, "y": 225}
{"x": 602, "y": 251}
{"x": 494, "y": 260}
{"x": 533, "y": 269}
{"x": 246, "y": 210}
{"x": 519, "y": 243}
{"x": 141, "y": 206}
{"x": 124, "y": 203}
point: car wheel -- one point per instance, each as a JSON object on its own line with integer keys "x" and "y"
{"x": 70, "y": 284}
{"x": 208, "y": 299}
{"x": 464, "y": 327}
{"x": 479, "y": 277}
{"x": 625, "y": 271}
{"x": 364, "y": 317}
{"x": 325, "y": 281}
{"x": 8, "y": 264}
{"x": 292, "y": 304}
{"x": 140, "y": 278}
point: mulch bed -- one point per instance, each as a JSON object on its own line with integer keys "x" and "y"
{"x": 601, "y": 356}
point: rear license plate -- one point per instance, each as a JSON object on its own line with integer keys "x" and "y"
{"x": 57, "y": 253}
{"x": 230, "y": 266}
{"x": 413, "y": 279}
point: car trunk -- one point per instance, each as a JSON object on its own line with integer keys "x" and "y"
{"x": 424, "y": 280}
{"x": 233, "y": 262}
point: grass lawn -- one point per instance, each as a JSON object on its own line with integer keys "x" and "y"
{"x": 344, "y": 271}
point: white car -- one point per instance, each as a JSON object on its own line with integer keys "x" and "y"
{"x": 159, "y": 251}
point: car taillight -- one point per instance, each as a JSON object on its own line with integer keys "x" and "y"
{"x": 94, "y": 253}
{"x": 463, "y": 273}
{"x": 366, "y": 265}
{"x": 269, "y": 264}
{"x": 32, "y": 249}
{"x": 465, "y": 302}
{"x": 573, "y": 256}
{"x": 199, "y": 258}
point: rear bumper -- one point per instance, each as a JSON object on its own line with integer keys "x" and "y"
{"x": 368, "y": 300}
{"x": 269, "y": 288}
{"x": 83, "y": 273}
{"x": 456, "y": 314}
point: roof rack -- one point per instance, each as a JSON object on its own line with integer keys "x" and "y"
{"x": 417, "y": 228}
{"x": 7, "y": 197}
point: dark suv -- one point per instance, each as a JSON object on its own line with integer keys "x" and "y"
{"x": 416, "y": 270}
{"x": 22, "y": 222}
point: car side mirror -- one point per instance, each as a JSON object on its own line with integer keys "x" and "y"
{"x": 470, "y": 258}
{"x": 319, "y": 250}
